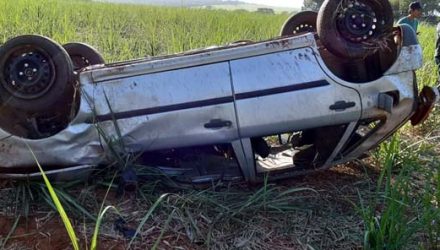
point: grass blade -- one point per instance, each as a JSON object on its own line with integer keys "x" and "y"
{"x": 2, "y": 246}
{"x": 98, "y": 225}
{"x": 102, "y": 212}
{"x": 150, "y": 211}
{"x": 58, "y": 205}
{"x": 167, "y": 223}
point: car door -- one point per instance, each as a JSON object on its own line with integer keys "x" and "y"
{"x": 288, "y": 91}
{"x": 166, "y": 108}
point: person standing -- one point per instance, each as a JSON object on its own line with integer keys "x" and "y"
{"x": 414, "y": 13}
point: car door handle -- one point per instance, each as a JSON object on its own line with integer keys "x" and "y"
{"x": 217, "y": 123}
{"x": 342, "y": 105}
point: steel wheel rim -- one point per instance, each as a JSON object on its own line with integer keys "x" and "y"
{"x": 303, "y": 28}
{"x": 29, "y": 73}
{"x": 357, "y": 21}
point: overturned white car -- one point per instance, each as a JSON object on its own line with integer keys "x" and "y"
{"x": 329, "y": 96}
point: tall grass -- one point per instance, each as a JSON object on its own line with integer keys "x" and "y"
{"x": 427, "y": 74}
{"x": 388, "y": 222}
{"x": 402, "y": 213}
{"x": 125, "y": 31}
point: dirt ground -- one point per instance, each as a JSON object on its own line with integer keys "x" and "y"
{"x": 326, "y": 221}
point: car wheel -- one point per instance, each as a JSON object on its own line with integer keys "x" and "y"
{"x": 35, "y": 73}
{"x": 355, "y": 28}
{"x": 83, "y": 55}
{"x": 301, "y": 22}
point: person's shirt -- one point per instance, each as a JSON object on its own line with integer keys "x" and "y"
{"x": 414, "y": 23}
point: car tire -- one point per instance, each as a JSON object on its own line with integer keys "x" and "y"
{"x": 35, "y": 74}
{"x": 354, "y": 28}
{"x": 83, "y": 55}
{"x": 298, "y": 23}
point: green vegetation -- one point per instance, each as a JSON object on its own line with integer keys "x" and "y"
{"x": 388, "y": 201}
{"x": 123, "y": 31}
{"x": 426, "y": 75}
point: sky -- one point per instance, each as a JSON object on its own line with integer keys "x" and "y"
{"x": 278, "y": 3}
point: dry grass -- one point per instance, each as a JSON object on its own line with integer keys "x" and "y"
{"x": 324, "y": 218}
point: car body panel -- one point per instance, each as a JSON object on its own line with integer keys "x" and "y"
{"x": 57, "y": 151}
{"x": 296, "y": 94}
{"x": 167, "y": 108}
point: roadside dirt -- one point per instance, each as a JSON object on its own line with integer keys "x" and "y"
{"x": 328, "y": 221}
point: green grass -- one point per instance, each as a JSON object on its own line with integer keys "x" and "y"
{"x": 123, "y": 32}
{"x": 427, "y": 74}
{"x": 388, "y": 222}
{"x": 400, "y": 211}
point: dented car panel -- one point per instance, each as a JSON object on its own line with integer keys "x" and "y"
{"x": 226, "y": 95}
{"x": 57, "y": 151}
